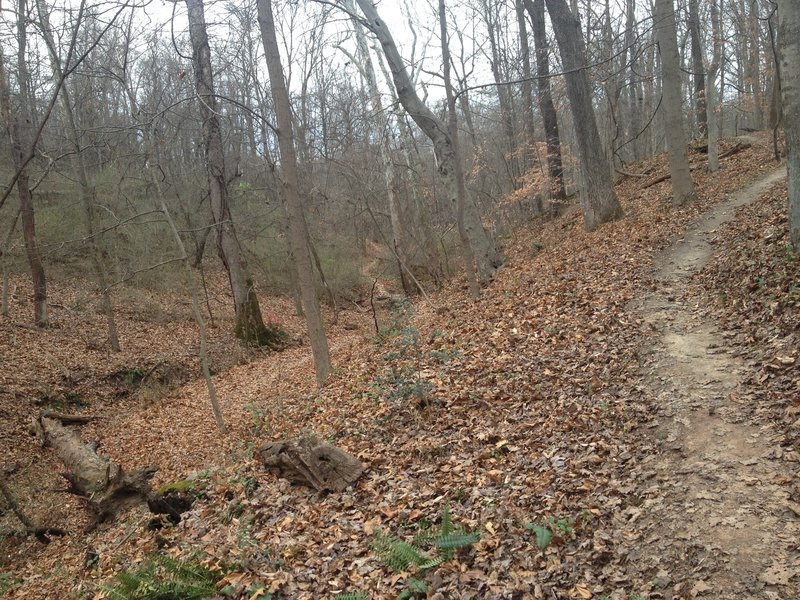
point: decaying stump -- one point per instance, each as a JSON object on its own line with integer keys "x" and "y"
{"x": 309, "y": 461}
{"x": 105, "y": 487}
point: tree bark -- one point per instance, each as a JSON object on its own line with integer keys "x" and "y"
{"x": 555, "y": 166}
{"x": 528, "y": 156}
{"x": 712, "y": 121}
{"x": 598, "y": 199}
{"x": 310, "y": 461}
{"x": 299, "y": 232}
{"x": 682, "y": 184}
{"x": 249, "y": 322}
{"x": 487, "y": 257}
{"x": 17, "y": 126}
{"x": 789, "y": 42}
{"x": 698, "y": 69}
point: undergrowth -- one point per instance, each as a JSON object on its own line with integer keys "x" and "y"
{"x": 426, "y": 552}
{"x": 163, "y": 578}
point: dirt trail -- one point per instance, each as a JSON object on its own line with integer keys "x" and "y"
{"x": 714, "y": 519}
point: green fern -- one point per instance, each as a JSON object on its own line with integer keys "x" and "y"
{"x": 447, "y": 522}
{"x": 414, "y": 588}
{"x": 351, "y": 596}
{"x": 456, "y": 541}
{"x": 163, "y": 578}
{"x": 399, "y": 555}
{"x": 396, "y": 554}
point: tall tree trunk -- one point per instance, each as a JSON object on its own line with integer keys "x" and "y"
{"x": 633, "y": 77}
{"x": 698, "y": 69}
{"x": 18, "y": 126}
{"x": 682, "y": 184}
{"x": 598, "y": 200}
{"x": 385, "y": 134}
{"x": 528, "y": 156}
{"x": 711, "y": 89}
{"x": 413, "y": 162}
{"x": 291, "y": 183}
{"x": 754, "y": 65}
{"x": 555, "y": 166}
{"x": 775, "y": 106}
{"x": 86, "y": 189}
{"x": 789, "y": 42}
{"x": 487, "y": 257}
{"x": 452, "y": 128}
{"x": 249, "y": 322}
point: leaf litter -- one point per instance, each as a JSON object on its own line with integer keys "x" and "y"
{"x": 525, "y": 408}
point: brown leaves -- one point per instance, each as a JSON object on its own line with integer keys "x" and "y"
{"x": 530, "y": 412}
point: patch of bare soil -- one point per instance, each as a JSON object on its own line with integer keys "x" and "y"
{"x": 716, "y": 518}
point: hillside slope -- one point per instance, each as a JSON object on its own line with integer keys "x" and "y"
{"x": 529, "y": 407}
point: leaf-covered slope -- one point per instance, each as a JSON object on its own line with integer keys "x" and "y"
{"x": 518, "y": 408}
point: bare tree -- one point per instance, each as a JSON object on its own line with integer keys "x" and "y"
{"x": 527, "y": 87}
{"x": 682, "y": 184}
{"x": 555, "y": 167}
{"x": 367, "y": 70}
{"x": 249, "y": 322}
{"x": 698, "y": 68}
{"x": 86, "y": 189}
{"x": 452, "y": 129}
{"x": 712, "y": 122}
{"x": 290, "y": 181}
{"x": 18, "y": 124}
{"x": 598, "y": 199}
{"x": 789, "y": 38}
{"x": 475, "y": 239}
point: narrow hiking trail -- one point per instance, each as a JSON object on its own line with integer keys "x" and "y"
{"x": 712, "y": 517}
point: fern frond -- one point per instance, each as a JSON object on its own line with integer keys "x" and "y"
{"x": 454, "y": 541}
{"x": 397, "y": 554}
{"x": 163, "y": 578}
{"x": 434, "y": 562}
{"x": 351, "y": 596}
{"x": 447, "y": 521}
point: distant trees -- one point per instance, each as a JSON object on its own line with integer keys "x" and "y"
{"x": 476, "y": 243}
{"x": 410, "y": 163}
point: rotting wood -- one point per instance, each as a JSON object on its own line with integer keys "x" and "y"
{"x": 104, "y": 486}
{"x": 312, "y": 462}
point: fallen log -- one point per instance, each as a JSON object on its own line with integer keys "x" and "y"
{"x": 736, "y": 149}
{"x": 729, "y": 152}
{"x": 312, "y": 462}
{"x": 104, "y": 486}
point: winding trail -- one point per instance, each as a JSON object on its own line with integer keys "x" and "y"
{"x": 714, "y": 518}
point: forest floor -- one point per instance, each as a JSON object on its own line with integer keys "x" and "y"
{"x": 617, "y": 418}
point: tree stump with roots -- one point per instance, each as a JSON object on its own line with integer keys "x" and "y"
{"x": 312, "y": 462}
